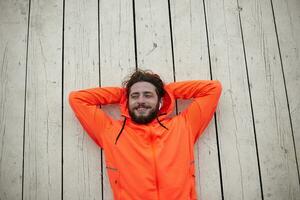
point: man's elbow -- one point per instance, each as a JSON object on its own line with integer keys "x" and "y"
{"x": 218, "y": 87}
{"x": 72, "y": 97}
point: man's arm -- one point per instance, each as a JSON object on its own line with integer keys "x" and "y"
{"x": 206, "y": 95}
{"x": 85, "y": 104}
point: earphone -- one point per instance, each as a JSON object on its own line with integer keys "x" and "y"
{"x": 160, "y": 104}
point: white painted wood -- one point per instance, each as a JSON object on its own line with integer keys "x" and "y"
{"x": 82, "y": 157}
{"x": 287, "y": 16}
{"x": 82, "y": 164}
{"x": 239, "y": 163}
{"x": 273, "y": 130}
{"x": 117, "y": 58}
{"x": 13, "y": 41}
{"x": 192, "y": 62}
{"x": 153, "y": 37}
{"x": 42, "y": 151}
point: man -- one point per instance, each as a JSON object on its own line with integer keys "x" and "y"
{"x": 148, "y": 155}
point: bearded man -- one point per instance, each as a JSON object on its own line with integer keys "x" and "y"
{"x": 149, "y": 155}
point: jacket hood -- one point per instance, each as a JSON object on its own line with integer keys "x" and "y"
{"x": 166, "y": 109}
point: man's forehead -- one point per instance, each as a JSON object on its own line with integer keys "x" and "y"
{"x": 142, "y": 87}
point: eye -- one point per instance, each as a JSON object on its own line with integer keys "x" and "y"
{"x": 134, "y": 96}
{"x": 148, "y": 95}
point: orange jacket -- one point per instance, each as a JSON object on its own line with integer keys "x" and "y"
{"x": 153, "y": 161}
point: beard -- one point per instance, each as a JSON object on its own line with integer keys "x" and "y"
{"x": 144, "y": 119}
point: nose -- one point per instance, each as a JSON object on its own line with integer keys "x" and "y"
{"x": 141, "y": 99}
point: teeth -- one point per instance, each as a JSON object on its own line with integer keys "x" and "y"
{"x": 141, "y": 108}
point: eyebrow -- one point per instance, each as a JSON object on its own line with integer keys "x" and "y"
{"x": 146, "y": 92}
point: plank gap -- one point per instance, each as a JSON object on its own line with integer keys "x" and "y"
{"x": 134, "y": 34}
{"x": 215, "y": 117}
{"x": 251, "y": 104}
{"x": 172, "y": 45}
{"x": 99, "y": 67}
{"x": 285, "y": 89}
{"x": 25, "y": 88}
{"x": 62, "y": 102}
{"x": 172, "y": 52}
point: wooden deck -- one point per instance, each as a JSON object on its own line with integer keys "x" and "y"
{"x": 251, "y": 150}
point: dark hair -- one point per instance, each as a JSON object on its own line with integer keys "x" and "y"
{"x": 146, "y": 76}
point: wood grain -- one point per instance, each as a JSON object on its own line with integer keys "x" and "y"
{"x": 273, "y": 130}
{"x": 82, "y": 157}
{"x": 239, "y": 163}
{"x": 287, "y": 19}
{"x": 153, "y": 37}
{"x": 13, "y": 44}
{"x": 192, "y": 63}
{"x": 43, "y": 123}
{"x": 252, "y": 47}
{"x": 117, "y": 58}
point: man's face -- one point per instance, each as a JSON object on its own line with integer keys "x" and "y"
{"x": 143, "y": 102}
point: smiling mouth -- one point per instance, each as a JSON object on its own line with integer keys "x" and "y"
{"x": 142, "y": 109}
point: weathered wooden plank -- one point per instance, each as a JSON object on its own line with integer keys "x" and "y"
{"x": 82, "y": 157}
{"x": 42, "y": 151}
{"x": 153, "y": 37}
{"x": 239, "y": 163}
{"x": 273, "y": 130}
{"x": 117, "y": 57}
{"x": 13, "y": 41}
{"x": 192, "y": 62}
{"x": 287, "y": 18}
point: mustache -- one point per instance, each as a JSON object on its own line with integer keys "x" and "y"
{"x": 141, "y": 106}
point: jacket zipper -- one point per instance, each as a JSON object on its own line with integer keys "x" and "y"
{"x": 155, "y": 167}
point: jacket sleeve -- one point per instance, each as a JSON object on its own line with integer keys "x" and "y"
{"x": 206, "y": 94}
{"x": 86, "y": 106}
